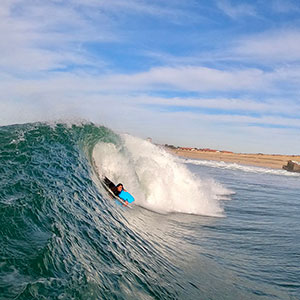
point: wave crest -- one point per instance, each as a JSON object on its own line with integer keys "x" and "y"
{"x": 157, "y": 180}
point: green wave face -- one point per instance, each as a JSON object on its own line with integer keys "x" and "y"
{"x": 48, "y": 206}
{"x": 61, "y": 236}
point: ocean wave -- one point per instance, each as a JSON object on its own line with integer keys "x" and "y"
{"x": 239, "y": 167}
{"x": 62, "y": 237}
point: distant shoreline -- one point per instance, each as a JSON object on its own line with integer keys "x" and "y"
{"x": 274, "y": 161}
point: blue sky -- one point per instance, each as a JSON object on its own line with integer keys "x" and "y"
{"x": 222, "y": 74}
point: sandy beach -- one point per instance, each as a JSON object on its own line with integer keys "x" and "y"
{"x": 274, "y": 161}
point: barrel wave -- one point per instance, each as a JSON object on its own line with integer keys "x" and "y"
{"x": 62, "y": 237}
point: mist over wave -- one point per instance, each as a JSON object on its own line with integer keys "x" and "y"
{"x": 157, "y": 180}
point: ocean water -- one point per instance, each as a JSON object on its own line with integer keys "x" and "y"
{"x": 198, "y": 230}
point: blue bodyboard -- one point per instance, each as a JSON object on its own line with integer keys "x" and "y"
{"x": 126, "y": 197}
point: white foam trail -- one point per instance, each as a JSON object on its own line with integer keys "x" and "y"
{"x": 156, "y": 179}
{"x": 235, "y": 166}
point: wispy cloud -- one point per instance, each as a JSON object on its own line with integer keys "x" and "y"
{"x": 280, "y": 45}
{"x": 32, "y": 42}
{"x": 262, "y": 122}
{"x": 285, "y": 6}
{"x": 156, "y": 79}
{"x": 235, "y": 11}
{"x": 173, "y": 10}
{"x": 190, "y": 78}
{"x": 231, "y": 105}
{"x": 163, "y": 79}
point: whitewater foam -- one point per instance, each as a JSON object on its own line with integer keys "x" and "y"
{"x": 156, "y": 179}
{"x": 235, "y": 166}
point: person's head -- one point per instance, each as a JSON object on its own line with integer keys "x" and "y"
{"x": 120, "y": 187}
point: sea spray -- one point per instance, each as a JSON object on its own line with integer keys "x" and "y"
{"x": 156, "y": 179}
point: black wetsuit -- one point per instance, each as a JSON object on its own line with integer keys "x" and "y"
{"x": 111, "y": 186}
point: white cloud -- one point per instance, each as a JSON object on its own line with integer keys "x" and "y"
{"x": 70, "y": 98}
{"x": 190, "y": 79}
{"x": 263, "y": 121}
{"x": 45, "y": 35}
{"x": 159, "y": 79}
{"x": 279, "y": 45}
{"x": 197, "y": 79}
{"x": 236, "y": 11}
{"x": 32, "y": 41}
{"x": 123, "y": 112}
{"x": 231, "y": 132}
{"x": 172, "y": 11}
{"x": 285, "y": 6}
{"x": 266, "y": 107}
